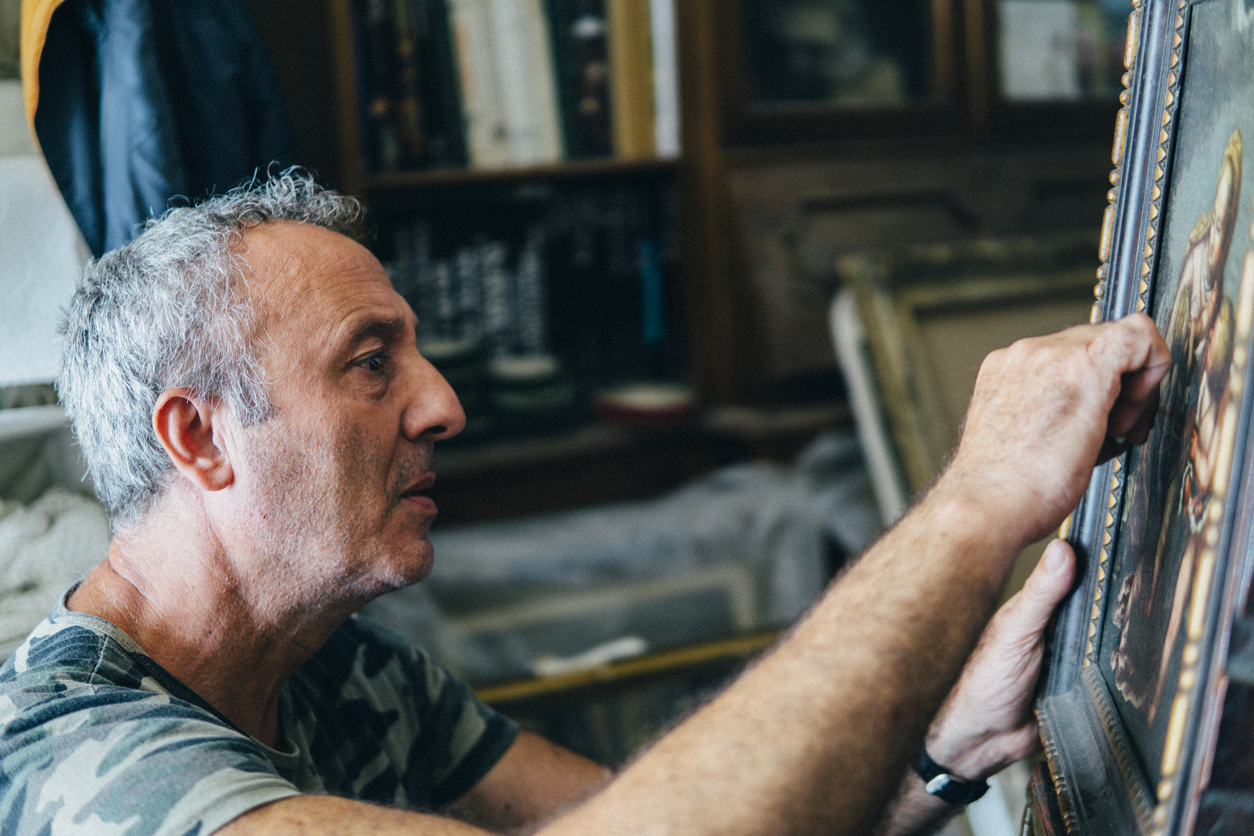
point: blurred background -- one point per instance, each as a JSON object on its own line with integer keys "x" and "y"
{"x": 712, "y": 279}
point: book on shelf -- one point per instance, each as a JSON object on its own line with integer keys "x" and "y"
{"x": 579, "y": 30}
{"x": 486, "y": 134}
{"x": 504, "y": 62}
{"x": 631, "y": 78}
{"x": 411, "y": 116}
{"x": 503, "y": 83}
{"x": 447, "y": 134}
{"x": 617, "y": 77}
{"x": 666, "y": 129}
{"x": 523, "y": 57}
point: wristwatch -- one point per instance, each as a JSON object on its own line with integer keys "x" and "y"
{"x": 951, "y": 789}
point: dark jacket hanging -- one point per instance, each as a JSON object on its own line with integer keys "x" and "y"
{"x": 144, "y": 100}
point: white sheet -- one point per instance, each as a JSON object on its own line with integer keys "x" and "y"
{"x": 45, "y": 547}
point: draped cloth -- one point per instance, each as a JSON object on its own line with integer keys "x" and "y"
{"x": 135, "y": 102}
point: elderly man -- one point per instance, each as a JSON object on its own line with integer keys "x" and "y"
{"x": 245, "y": 386}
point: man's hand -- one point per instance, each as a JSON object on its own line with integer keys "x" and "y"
{"x": 1045, "y": 410}
{"x": 987, "y": 723}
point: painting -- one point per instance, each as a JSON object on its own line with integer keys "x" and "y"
{"x": 1143, "y": 652}
{"x": 1171, "y": 497}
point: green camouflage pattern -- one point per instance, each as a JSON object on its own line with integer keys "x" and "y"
{"x": 95, "y": 737}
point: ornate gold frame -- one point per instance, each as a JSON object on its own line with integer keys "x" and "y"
{"x": 1100, "y": 785}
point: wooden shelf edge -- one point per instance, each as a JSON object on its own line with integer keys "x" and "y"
{"x": 471, "y": 460}
{"x": 744, "y": 424}
{"x": 469, "y": 176}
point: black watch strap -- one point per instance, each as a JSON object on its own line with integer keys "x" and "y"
{"x": 951, "y": 789}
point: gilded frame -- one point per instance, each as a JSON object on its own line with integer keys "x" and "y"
{"x": 1147, "y": 661}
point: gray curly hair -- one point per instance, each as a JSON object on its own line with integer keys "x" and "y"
{"x": 172, "y": 309}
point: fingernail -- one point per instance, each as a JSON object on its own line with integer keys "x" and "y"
{"x": 1054, "y": 556}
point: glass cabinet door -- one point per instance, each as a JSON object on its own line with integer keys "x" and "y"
{"x": 837, "y": 52}
{"x": 799, "y": 70}
{"x": 1060, "y": 50}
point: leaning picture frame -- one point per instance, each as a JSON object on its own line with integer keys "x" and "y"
{"x": 932, "y": 312}
{"x": 1147, "y": 709}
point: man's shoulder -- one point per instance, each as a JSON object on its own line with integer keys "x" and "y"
{"x": 68, "y": 647}
{"x": 368, "y": 697}
{"x": 87, "y": 719}
{"x": 77, "y": 666}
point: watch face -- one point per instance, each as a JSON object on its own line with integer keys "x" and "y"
{"x": 955, "y": 790}
{"x": 946, "y": 787}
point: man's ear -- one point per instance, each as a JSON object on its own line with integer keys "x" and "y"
{"x": 184, "y": 424}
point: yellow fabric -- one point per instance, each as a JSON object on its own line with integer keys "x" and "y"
{"x": 35, "y": 17}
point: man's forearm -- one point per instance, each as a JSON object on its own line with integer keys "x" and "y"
{"x": 815, "y": 737}
{"x": 324, "y": 815}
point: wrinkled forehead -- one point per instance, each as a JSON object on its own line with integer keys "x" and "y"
{"x": 308, "y": 284}
{"x": 289, "y": 258}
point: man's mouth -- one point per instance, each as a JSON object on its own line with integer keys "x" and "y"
{"x": 416, "y": 494}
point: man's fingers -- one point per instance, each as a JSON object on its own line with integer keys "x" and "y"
{"x": 1045, "y": 587}
{"x": 1127, "y": 414}
{"x": 1134, "y": 340}
{"x": 987, "y": 722}
{"x": 1133, "y": 345}
{"x": 1043, "y": 411}
{"x": 1127, "y": 429}
{"x": 1112, "y": 447}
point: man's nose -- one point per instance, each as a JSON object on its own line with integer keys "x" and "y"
{"x": 433, "y": 411}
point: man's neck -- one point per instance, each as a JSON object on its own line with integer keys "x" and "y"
{"x": 169, "y": 584}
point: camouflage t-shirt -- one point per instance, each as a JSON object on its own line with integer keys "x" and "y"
{"x": 95, "y": 737}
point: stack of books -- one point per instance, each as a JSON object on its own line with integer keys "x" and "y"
{"x": 501, "y": 83}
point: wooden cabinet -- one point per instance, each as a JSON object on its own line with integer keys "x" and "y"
{"x": 806, "y": 70}
{"x": 774, "y": 192}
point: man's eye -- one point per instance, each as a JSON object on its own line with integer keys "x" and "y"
{"x": 376, "y": 362}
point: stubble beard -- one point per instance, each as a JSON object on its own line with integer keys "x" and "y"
{"x": 323, "y": 522}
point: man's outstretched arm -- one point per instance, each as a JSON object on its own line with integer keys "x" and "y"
{"x": 815, "y": 737}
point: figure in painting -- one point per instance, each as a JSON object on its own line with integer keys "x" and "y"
{"x": 1182, "y": 456}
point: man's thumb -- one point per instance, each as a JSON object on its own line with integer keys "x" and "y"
{"x": 1045, "y": 587}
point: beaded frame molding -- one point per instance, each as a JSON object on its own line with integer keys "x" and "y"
{"x": 1143, "y": 711}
